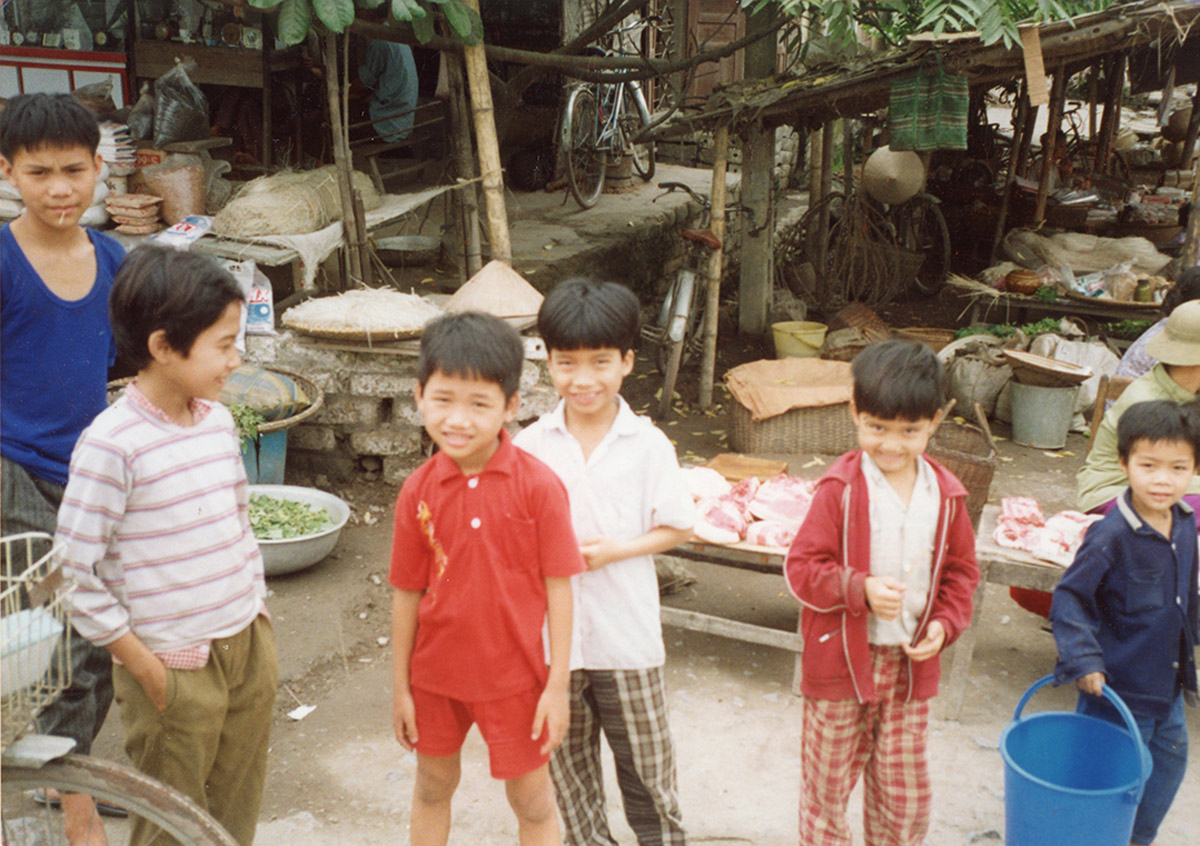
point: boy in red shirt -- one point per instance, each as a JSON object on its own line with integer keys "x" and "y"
{"x": 482, "y": 554}
{"x": 884, "y": 566}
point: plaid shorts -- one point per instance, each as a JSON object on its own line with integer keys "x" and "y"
{"x": 630, "y": 707}
{"x": 883, "y": 741}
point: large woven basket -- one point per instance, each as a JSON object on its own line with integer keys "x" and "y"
{"x": 826, "y": 429}
{"x": 966, "y": 451}
{"x": 970, "y": 454}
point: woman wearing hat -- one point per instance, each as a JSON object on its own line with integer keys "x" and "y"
{"x": 1175, "y": 377}
{"x": 1136, "y": 360}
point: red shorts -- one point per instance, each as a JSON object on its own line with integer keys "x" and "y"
{"x": 443, "y": 723}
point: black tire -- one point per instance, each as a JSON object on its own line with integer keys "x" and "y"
{"x": 635, "y": 116}
{"x": 922, "y": 228}
{"x": 585, "y": 163}
{"x": 27, "y": 822}
{"x": 691, "y": 338}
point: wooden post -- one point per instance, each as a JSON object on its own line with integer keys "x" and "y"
{"x": 1093, "y": 95}
{"x": 823, "y": 216}
{"x": 1193, "y": 134}
{"x": 848, "y": 155}
{"x": 1058, "y": 95}
{"x": 341, "y": 158}
{"x": 464, "y": 161}
{"x": 708, "y": 363}
{"x": 363, "y": 247}
{"x": 489, "y": 147}
{"x": 1027, "y": 140}
{"x": 1111, "y": 118}
{"x": 1010, "y": 175}
{"x": 758, "y": 176}
{"x": 1191, "y": 242}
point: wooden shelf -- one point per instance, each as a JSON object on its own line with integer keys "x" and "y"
{"x": 235, "y": 66}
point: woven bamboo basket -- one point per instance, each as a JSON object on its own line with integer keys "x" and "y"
{"x": 970, "y": 454}
{"x": 933, "y": 338}
{"x": 826, "y": 429}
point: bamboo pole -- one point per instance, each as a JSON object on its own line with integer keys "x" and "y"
{"x": 716, "y": 223}
{"x": 489, "y": 147}
{"x": 1093, "y": 95}
{"x": 1058, "y": 95}
{"x": 464, "y": 162}
{"x": 1111, "y": 120}
{"x": 1191, "y": 242}
{"x": 823, "y": 216}
{"x": 1010, "y": 175}
{"x": 1193, "y": 133}
{"x": 1026, "y": 145}
{"x": 341, "y": 157}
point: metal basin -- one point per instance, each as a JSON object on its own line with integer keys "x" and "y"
{"x": 291, "y": 554}
{"x": 408, "y": 250}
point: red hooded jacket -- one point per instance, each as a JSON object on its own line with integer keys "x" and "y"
{"x": 829, "y": 562}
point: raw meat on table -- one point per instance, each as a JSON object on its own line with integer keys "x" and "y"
{"x": 705, "y": 483}
{"x": 1021, "y": 525}
{"x": 784, "y": 499}
{"x": 772, "y": 533}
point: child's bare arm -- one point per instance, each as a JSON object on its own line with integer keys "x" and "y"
{"x": 143, "y": 665}
{"x": 553, "y": 708}
{"x": 599, "y": 551}
{"x": 404, "y": 633}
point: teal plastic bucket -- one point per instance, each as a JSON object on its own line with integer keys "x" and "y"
{"x": 264, "y": 460}
{"x": 1071, "y": 777}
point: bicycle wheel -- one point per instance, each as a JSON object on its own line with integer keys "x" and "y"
{"x": 635, "y": 115}
{"x": 922, "y": 229}
{"x": 586, "y": 163}
{"x": 691, "y": 338}
{"x": 25, "y": 822}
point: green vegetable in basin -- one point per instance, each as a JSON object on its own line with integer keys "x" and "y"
{"x": 276, "y": 519}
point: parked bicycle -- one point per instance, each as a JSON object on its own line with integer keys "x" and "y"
{"x": 599, "y": 119}
{"x": 674, "y": 332}
{"x": 36, "y": 669}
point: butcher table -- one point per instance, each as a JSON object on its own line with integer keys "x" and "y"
{"x": 997, "y": 565}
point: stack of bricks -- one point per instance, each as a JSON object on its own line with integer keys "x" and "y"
{"x": 369, "y": 427}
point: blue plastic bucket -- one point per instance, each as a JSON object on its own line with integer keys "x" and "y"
{"x": 1071, "y": 777}
{"x": 264, "y": 460}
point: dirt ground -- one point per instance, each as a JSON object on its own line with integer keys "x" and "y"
{"x": 339, "y": 776}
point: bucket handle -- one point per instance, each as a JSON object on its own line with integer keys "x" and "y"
{"x": 1135, "y": 795}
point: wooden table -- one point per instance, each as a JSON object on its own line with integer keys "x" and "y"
{"x": 998, "y": 565}
{"x": 1002, "y": 307}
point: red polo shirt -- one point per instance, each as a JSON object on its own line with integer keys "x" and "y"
{"x": 480, "y": 547}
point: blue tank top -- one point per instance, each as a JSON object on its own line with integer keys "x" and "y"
{"x": 54, "y": 358}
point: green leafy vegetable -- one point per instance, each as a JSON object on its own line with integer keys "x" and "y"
{"x": 1045, "y": 294}
{"x": 276, "y": 519}
{"x": 1127, "y": 328}
{"x": 247, "y": 421}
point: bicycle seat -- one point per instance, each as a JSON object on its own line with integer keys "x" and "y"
{"x": 703, "y": 236}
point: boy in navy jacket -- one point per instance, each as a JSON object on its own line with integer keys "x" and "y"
{"x": 1126, "y": 611}
{"x": 884, "y": 566}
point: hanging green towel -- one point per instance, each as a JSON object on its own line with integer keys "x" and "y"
{"x": 928, "y": 110}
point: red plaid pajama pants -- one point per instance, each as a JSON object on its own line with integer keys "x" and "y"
{"x": 883, "y": 741}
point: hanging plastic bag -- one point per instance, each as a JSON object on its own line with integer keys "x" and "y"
{"x": 180, "y": 108}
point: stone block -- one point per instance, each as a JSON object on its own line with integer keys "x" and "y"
{"x": 397, "y": 383}
{"x": 386, "y": 441}
{"x": 347, "y": 409}
{"x": 333, "y": 465}
{"x": 397, "y": 467}
{"x": 317, "y": 438}
{"x": 404, "y": 410}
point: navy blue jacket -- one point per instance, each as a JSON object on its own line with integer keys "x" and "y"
{"x": 1128, "y": 607}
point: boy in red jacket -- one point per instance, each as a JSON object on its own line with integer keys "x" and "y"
{"x": 884, "y": 567}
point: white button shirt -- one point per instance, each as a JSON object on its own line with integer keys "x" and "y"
{"x": 902, "y": 541}
{"x": 629, "y": 485}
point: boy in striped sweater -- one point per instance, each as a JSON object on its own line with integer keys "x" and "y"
{"x": 157, "y": 536}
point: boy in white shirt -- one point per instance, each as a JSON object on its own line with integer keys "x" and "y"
{"x": 628, "y": 501}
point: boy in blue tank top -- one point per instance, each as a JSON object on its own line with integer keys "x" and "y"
{"x": 56, "y": 348}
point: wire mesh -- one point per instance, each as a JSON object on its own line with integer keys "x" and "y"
{"x": 34, "y": 616}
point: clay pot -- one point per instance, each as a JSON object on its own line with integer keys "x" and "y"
{"x": 1022, "y": 281}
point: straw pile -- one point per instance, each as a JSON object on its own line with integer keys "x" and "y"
{"x": 293, "y": 203}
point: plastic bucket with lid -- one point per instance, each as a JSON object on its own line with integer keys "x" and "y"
{"x": 1067, "y": 774}
{"x": 798, "y": 338}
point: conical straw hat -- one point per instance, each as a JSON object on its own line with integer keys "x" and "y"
{"x": 893, "y": 177}
{"x": 497, "y": 289}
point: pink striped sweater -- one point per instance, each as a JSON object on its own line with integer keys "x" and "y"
{"x": 156, "y": 529}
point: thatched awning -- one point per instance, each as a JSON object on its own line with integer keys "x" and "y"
{"x": 839, "y": 91}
